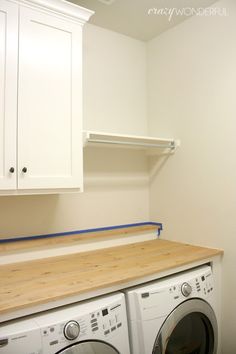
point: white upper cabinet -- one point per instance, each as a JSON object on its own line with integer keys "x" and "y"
{"x": 45, "y": 102}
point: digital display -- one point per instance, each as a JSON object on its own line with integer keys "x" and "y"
{"x": 105, "y": 312}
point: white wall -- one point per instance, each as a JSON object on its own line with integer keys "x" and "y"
{"x": 115, "y": 87}
{"x": 116, "y": 186}
{"x": 192, "y": 88}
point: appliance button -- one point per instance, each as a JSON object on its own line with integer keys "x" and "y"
{"x": 72, "y": 330}
{"x": 186, "y": 289}
{"x": 54, "y": 342}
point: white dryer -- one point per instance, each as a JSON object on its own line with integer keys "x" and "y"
{"x": 98, "y": 326}
{"x": 174, "y": 315}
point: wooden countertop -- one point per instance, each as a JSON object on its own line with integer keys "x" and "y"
{"x": 32, "y": 283}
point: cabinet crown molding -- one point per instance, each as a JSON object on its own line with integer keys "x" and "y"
{"x": 60, "y": 7}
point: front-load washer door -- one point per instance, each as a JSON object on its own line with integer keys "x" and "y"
{"x": 190, "y": 329}
{"x": 90, "y": 347}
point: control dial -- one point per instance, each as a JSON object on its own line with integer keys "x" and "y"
{"x": 186, "y": 289}
{"x": 71, "y": 330}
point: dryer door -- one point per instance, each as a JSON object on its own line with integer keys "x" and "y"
{"x": 190, "y": 329}
{"x": 90, "y": 347}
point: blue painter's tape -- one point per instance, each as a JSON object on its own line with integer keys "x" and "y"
{"x": 107, "y": 228}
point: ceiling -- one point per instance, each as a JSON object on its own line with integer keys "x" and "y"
{"x": 136, "y": 18}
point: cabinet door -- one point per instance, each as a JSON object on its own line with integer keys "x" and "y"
{"x": 8, "y": 93}
{"x": 49, "y": 102}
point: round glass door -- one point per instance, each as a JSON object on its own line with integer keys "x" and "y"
{"x": 190, "y": 329}
{"x": 90, "y": 347}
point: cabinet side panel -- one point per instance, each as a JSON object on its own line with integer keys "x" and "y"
{"x": 8, "y": 93}
{"x": 49, "y": 130}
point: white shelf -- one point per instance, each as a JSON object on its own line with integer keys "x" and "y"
{"x": 91, "y": 138}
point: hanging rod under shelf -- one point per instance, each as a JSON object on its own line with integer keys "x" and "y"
{"x": 171, "y": 145}
{"x": 128, "y": 141}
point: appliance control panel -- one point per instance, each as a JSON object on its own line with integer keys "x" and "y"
{"x": 108, "y": 319}
{"x": 85, "y": 321}
{"x": 199, "y": 285}
{"x": 143, "y": 302}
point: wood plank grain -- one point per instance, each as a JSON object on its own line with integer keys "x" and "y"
{"x": 38, "y": 282}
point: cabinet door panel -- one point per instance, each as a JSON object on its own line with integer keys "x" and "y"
{"x": 49, "y": 117}
{"x": 8, "y": 92}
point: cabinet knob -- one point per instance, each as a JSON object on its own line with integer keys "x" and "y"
{"x": 24, "y": 169}
{"x": 11, "y": 170}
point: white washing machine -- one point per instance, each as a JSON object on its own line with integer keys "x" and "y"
{"x": 92, "y": 327}
{"x": 174, "y": 315}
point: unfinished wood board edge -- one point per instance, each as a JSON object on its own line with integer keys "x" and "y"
{"x": 74, "y": 238}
